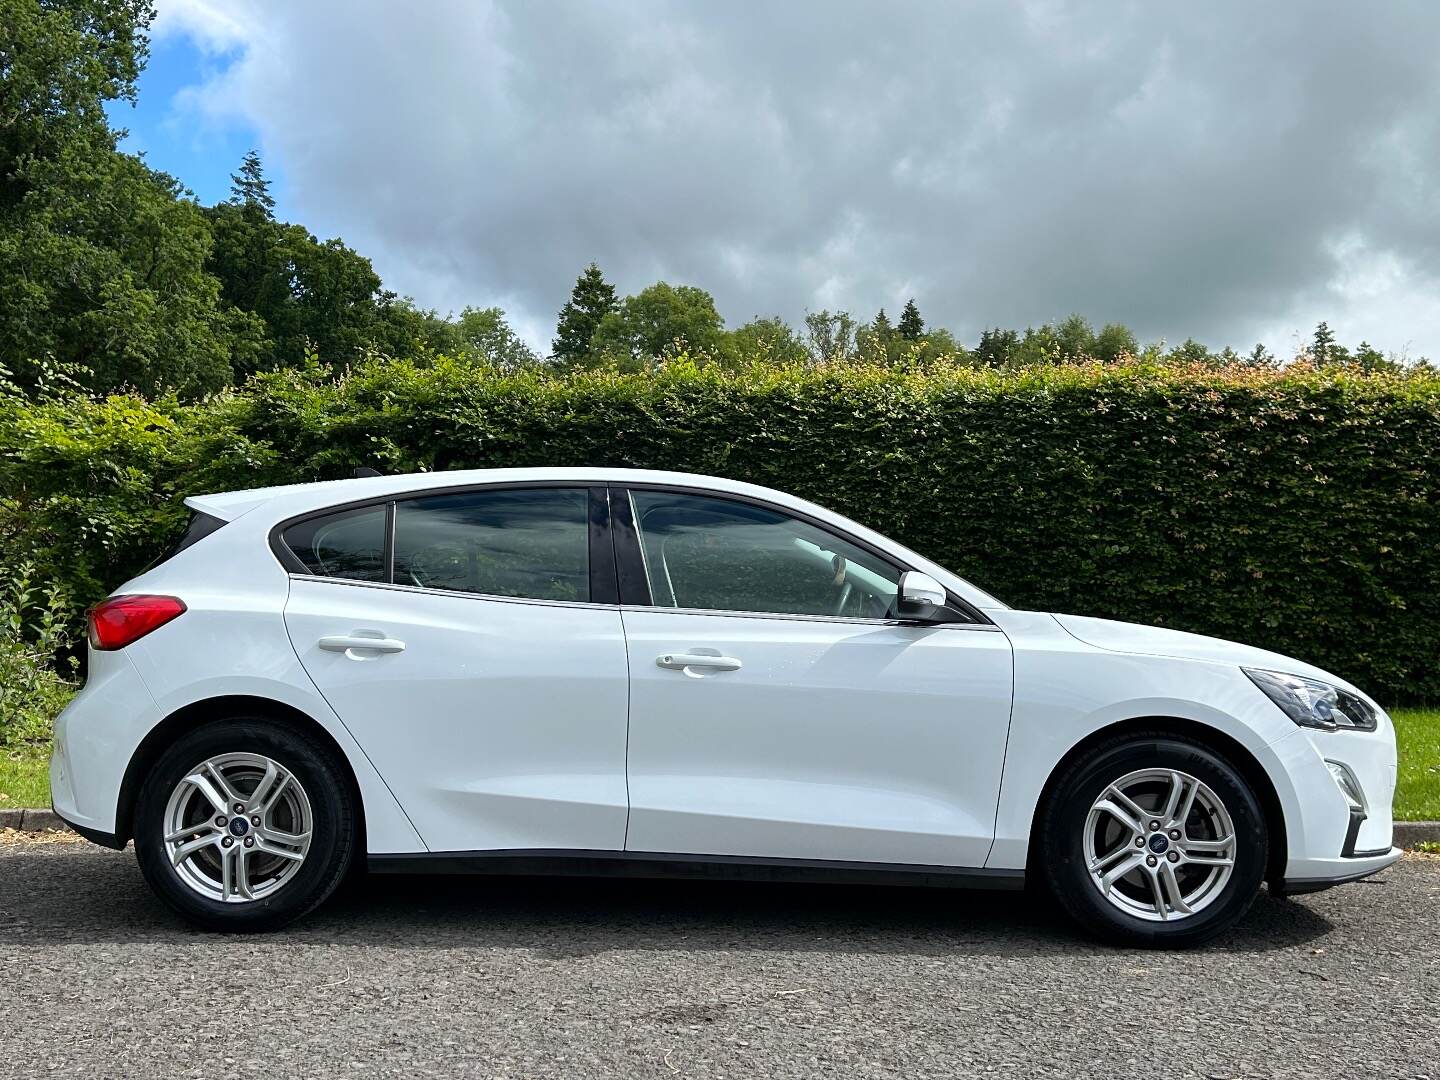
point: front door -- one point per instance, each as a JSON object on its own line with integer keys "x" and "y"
{"x": 777, "y": 709}
{"x": 472, "y": 662}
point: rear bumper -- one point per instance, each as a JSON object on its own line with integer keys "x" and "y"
{"x": 95, "y": 836}
{"x": 95, "y": 737}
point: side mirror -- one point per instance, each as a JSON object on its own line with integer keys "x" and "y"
{"x": 920, "y": 596}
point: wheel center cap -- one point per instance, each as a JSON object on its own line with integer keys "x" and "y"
{"x": 239, "y": 826}
{"x": 1158, "y": 843}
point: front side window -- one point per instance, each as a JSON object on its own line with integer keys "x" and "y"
{"x": 507, "y": 542}
{"x": 717, "y": 554}
{"x": 350, "y": 544}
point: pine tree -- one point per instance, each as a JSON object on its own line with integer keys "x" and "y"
{"x": 1323, "y": 344}
{"x": 249, "y": 187}
{"x": 590, "y": 301}
{"x": 881, "y": 327}
{"x": 911, "y": 326}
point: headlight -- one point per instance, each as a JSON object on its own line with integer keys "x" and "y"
{"x": 1312, "y": 703}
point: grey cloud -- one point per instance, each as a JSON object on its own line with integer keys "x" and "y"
{"x": 1199, "y": 169}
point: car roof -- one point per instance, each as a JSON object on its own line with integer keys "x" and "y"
{"x": 293, "y": 500}
{"x": 297, "y": 498}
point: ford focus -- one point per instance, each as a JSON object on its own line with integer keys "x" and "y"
{"x": 596, "y": 671}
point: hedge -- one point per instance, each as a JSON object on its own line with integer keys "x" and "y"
{"x": 1296, "y": 510}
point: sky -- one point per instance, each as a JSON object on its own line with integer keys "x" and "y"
{"x": 1233, "y": 172}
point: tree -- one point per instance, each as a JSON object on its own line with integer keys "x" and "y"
{"x": 657, "y": 320}
{"x": 307, "y": 293}
{"x": 768, "y": 340}
{"x": 911, "y": 327}
{"x": 249, "y": 187}
{"x": 485, "y": 336}
{"x": 829, "y": 335}
{"x": 1075, "y": 338}
{"x": 880, "y": 326}
{"x": 1191, "y": 351}
{"x": 590, "y": 301}
{"x": 997, "y": 348}
{"x": 1322, "y": 345}
{"x": 1113, "y": 343}
{"x": 59, "y": 65}
{"x": 101, "y": 258}
{"x": 1259, "y": 357}
{"x": 877, "y": 341}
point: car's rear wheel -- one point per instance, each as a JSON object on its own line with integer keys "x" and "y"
{"x": 1153, "y": 840}
{"x": 244, "y": 825}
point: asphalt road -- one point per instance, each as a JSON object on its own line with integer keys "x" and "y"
{"x": 486, "y": 977}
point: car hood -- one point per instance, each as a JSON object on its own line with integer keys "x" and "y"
{"x": 1158, "y": 641}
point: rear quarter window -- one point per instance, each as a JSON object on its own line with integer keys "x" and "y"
{"x": 350, "y": 544}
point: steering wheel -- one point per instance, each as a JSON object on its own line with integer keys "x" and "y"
{"x": 432, "y": 567}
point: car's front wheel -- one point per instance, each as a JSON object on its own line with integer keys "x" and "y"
{"x": 244, "y": 825}
{"x": 1153, "y": 840}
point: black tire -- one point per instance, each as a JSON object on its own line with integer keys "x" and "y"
{"x": 1062, "y": 825}
{"x": 333, "y": 830}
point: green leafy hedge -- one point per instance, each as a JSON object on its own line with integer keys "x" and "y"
{"x": 1299, "y": 511}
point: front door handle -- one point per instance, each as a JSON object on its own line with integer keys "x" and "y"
{"x": 681, "y": 661}
{"x": 349, "y": 643}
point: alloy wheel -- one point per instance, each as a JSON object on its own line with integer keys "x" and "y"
{"x": 1159, "y": 845}
{"x": 237, "y": 827}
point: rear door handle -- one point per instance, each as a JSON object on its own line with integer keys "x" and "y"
{"x": 347, "y": 642}
{"x": 681, "y": 661}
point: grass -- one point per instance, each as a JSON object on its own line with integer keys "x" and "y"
{"x": 1417, "y": 793}
{"x": 25, "y": 777}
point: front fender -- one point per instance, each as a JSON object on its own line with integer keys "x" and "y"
{"x": 1067, "y": 691}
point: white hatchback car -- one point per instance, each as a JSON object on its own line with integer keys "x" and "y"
{"x": 610, "y": 671}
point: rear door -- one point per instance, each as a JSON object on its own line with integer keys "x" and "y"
{"x": 779, "y": 710}
{"x": 470, "y": 642}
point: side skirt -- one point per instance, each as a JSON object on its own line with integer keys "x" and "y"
{"x": 649, "y": 864}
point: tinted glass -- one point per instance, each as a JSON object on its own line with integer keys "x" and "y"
{"x": 528, "y": 543}
{"x": 717, "y": 554}
{"x": 344, "y": 545}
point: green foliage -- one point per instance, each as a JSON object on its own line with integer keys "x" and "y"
{"x": 59, "y": 64}
{"x": 101, "y": 259}
{"x": 765, "y": 341}
{"x": 34, "y": 686}
{"x": 830, "y": 336}
{"x": 911, "y": 326}
{"x": 1293, "y": 510}
{"x": 249, "y": 187}
{"x": 658, "y": 321}
{"x": 590, "y": 301}
{"x": 301, "y": 293}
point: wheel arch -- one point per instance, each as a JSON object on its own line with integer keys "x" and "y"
{"x": 1227, "y": 745}
{"x": 198, "y": 713}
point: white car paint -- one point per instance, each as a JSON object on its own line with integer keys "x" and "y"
{"x": 527, "y": 725}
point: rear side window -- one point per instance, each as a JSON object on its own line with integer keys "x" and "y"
{"x": 345, "y": 545}
{"x": 507, "y": 542}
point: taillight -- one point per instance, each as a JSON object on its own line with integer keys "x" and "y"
{"x": 117, "y": 622}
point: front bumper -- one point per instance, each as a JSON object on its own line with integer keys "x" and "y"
{"x": 1341, "y": 872}
{"x": 1331, "y": 837}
